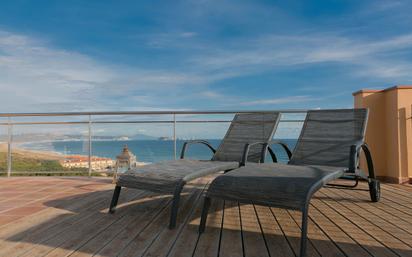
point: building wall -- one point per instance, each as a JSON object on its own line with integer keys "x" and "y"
{"x": 392, "y": 134}
{"x": 374, "y": 137}
{"x": 389, "y": 132}
{"x": 405, "y": 132}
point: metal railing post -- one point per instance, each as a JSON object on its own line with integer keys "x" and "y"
{"x": 90, "y": 146}
{"x": 174, "y": 137}
{"x": 10, "y": 123}
{"x": 9, "y": 142}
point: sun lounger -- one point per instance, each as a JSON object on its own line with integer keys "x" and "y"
{"x": 171, "y": 176}
{"x": 327, "y": 149}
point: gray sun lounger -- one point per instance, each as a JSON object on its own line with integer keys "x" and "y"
{"x": 328, "y": 148}
{"x": 170, "y": 176}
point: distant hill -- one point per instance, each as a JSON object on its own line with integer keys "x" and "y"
{"x": 35, "y": 137}
{"x": 142, "y": 137}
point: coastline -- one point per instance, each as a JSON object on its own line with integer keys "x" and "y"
{"x": 44, "y": 155}
{"x": 34, "y": 154}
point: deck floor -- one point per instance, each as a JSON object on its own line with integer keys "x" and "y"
{"x": 56, "y": 216}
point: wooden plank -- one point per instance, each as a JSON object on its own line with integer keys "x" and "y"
{"x": 167, "y": 237}
{"x": 22, "y": 225}
{"x": 319, "y": 239}
{"x": 82, "y": 224}
{"x": 185, "y": 243}
{"x": 45, "y": 229}
{"x": 341, "y": 219}
{"x": 140, "y": 209}
{"x": 386, "y": 203}
{"x": 31, "y": 195}
{"x": 231, "y": 238}
{"x": 253, "y": 240}
{"x": 368, "y": 210}
{"x": 277, "y": 242}
{"x": 400, "y": 211}
{"x": 29, "y": 203}
{"x": 134, "y": 239}
{"x": 134, "y": 218}
{"x": 344, "y": 241}
{"x": 292, "y": 231}
{"x": 404, "y": 190}
{"x": 208, "y": 243}
{"x": 385, "y": 238}
{"x": 140, "y": 243}
{"x": 390, "y": 194}
{"x": 384, "y": 206}
{"x": 403, "y": 187}
{"x": 398, "y": 198}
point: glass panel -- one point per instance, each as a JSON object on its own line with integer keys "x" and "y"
{"x": 63, "y": 148}
{"x": 288, "y": 132}
{"x": 54, "y": 148}
{"x": 211, "y": 128}
{"x": 3, "y": 146}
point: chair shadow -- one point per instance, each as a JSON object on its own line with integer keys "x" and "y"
{"x": 78, "y": 215}
{"x": 81, "y": 216}
{"x": 279, "y": 245}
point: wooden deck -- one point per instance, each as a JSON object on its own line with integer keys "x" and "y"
{"x": 55, "y": 216}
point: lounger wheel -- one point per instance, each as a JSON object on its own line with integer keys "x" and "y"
{"x": 375, "y": 190}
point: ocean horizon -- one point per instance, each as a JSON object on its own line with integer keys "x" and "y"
{"x": 148, "y": 151}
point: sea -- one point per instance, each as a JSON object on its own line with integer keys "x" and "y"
{"x": 147, "y": 151}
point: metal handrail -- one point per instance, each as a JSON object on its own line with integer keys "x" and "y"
{"x": 146, "y": 113}
{"x": 122, "y": 122}
{"x": 89, "y": 122}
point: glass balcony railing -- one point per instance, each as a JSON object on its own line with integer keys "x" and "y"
{"x": 88, "y": 143}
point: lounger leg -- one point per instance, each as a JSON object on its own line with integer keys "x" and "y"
{"x": 206, "y": 205}
{"x": 175, "y": 205}
{"x": 115, "y": 198}
{"x": 304, "y": 235}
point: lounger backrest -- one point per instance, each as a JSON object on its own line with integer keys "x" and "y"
{"x": 327, "y": 135}
{"x": 247, "y": 128}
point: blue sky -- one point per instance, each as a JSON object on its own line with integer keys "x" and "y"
{"x": 204, "y": 54}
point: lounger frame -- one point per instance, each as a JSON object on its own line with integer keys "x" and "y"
{"x": 353, "y": 170}
{"x": 269, "y": 121}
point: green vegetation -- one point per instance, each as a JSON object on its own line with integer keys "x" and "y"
{"x": 26, "y": 166}
{"x": 22, "y": 163}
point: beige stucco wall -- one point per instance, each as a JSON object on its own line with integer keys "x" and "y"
{"x": 389, "y": 132}
{"x": 404, "y": 98}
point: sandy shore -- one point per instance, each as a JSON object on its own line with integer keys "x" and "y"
{"x": 33, "y": 154}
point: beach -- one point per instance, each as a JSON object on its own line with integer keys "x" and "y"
{"x": 72, "y": 155}
{"x": 32, "y": 154}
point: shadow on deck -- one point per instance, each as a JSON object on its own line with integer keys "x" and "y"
{"x": 68, "y": 217}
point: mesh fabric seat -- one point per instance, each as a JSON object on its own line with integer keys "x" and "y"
{"x": 327, "y": 148}
{"x": 171, "y": 176}
{"x": 272, "y": 184}
{"x": 163, "y": 177}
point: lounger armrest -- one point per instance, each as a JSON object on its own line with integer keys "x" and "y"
{"x": 247, "y": 148}
{"x": 191, "y": 142}
{"x": 284, "y": 146}
{"x": 354, "y": 158}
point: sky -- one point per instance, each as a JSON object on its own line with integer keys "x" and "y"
{"x": 199, "y": 54}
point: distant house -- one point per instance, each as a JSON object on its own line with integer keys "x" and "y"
{"x": 81, "y": 161}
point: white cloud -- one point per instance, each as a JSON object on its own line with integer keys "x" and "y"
{"x": 211, "y": 94}
{"x": 35, "y": 76}
{"x": 276, "y": 101}
{"x": 269, "y": 52}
